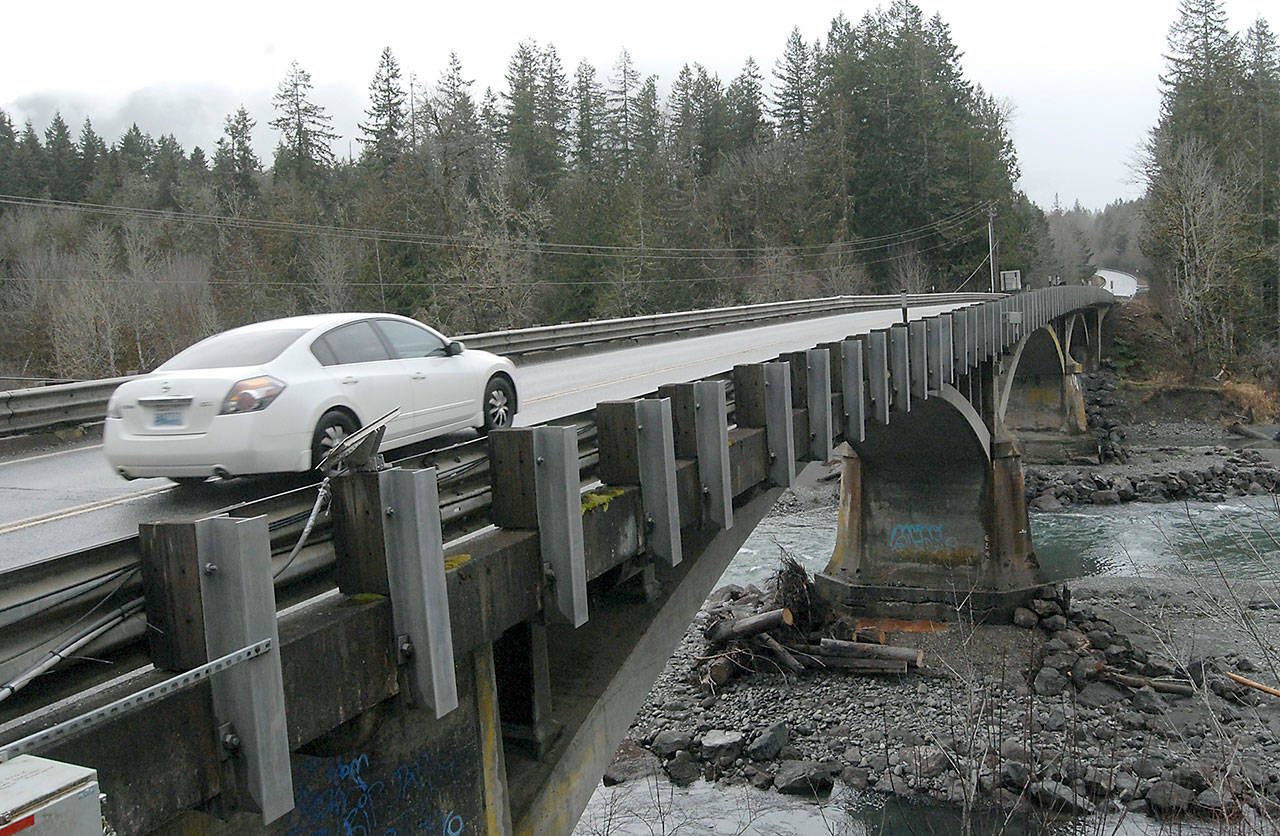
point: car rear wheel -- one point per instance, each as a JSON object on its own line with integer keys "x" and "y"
{"x": 332, "y": 427}
{"x": 499, "y": 403}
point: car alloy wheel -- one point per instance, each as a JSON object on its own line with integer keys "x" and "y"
{"x": 333, "y": 426}
{"x": 499, "y": 403}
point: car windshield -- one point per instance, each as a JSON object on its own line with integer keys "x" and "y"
{"x": 233, "y": 348}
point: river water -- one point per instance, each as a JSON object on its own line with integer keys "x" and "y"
{"x": 1239, "y": 539}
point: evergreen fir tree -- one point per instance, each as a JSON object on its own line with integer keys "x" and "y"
{"x": 306, "y": 130}
{"x": 384, "y": 131}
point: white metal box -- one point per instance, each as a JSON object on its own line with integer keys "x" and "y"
{"x": 40, "y": 797}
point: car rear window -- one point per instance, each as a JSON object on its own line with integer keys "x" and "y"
{"x": 251, "y": 348}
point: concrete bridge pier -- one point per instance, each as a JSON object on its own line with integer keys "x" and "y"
{"x": 932, "y": 517}
{"x": 1042, "y": 399}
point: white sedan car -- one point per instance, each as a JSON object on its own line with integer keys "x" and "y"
{"x": 274, "y": 396}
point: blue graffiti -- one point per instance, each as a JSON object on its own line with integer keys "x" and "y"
{"x": 353, "y": 797}
{"x": 916, "y": 537}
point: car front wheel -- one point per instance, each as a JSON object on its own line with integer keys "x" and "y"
{"x": 333, "y": 426}
{"x": 499, "y": 403}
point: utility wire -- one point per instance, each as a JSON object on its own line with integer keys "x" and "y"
{"x": 872, "y": 243}
{"x": 286, "y": 283}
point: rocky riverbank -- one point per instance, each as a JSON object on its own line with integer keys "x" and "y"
{"x": 1150, "y": 461}
{"x": 1116, "y": 697}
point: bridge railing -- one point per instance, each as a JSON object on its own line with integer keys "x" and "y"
{"x": 44, "y": 407}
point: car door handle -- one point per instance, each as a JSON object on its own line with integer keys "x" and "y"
{"x": 419, "y": 376}
{"x": 349, "y": 380}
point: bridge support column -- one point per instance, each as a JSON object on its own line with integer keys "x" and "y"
{"x": 933, "y": 522}
{"x": 847, "y": 556}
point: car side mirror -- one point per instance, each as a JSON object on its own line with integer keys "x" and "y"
{"x": 454, "y": 348}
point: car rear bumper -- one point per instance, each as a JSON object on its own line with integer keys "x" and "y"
{"x": 233, "y": 445}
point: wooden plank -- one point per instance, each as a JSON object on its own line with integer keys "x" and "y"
{"x": 171, "y": 589}
{"x": 358, "y": 541}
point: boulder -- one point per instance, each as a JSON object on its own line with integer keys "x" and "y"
{"x": 630, "y": 762}
{"x": 803, "y": 778}
{"x": 1098, "y": 694}
{"x": 682, "y": 769}
{"x": 924, "y": 761}
{"x": 1011, "y": 749}
{"x": 1146, "y": 700}
{"x": 1014, "y": 775}
{"x": 1046, "y": 501}
{"x": 1165, "y": 798}
{"x": 1049, "y": 681}
{"x": 1054, "y": 795}
{"x": 1105, "y": 497}
{"x": 668, "y": 742}
{"x": 1025, "y": 618}
{"x": 717, "y": 744}
{"x": 1045, "y": 608}
{"x": 768, "y": 743}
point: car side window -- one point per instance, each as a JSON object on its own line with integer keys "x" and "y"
{"x": 356, "y": 342}
{"x": 409, "y": 341}
{"x": 320, "y": 349}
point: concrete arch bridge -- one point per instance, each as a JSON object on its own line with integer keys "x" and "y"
{"x": 482, "y": 682}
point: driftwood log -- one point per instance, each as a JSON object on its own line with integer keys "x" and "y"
{"x": 863, "y": 650}
{"x": 1266, "y": 689}
{"x": 780, "y": 654}
{"x": 849, "y": 663}
{"x": 1181, "y": 689}
{"x": 740, "y": 628}
{"x": 871, "y": 635}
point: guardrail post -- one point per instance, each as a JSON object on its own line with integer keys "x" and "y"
{"x": 918, "y": 351}
{"x": 240, "y": 607}
{"x": 818, "y": 368}
{"x": 762, "y": 394}
{"x": 959, "y": 342}
{"x": 711, "y": 421}
{"x": 853, "y": 386}
{"x": 559, "y": 499}
{"x": 899, "y": 369}
{"x": 972, "y": 337}
{"x": 877, "y": 369}
{"x": 637, "y": 447}
{"x": 993, "y": 330}
{"x": 536, "y": 484}
{"x": 939, "y": 350}
{"x": 699, "y": 413}
{"x": 811, "y": 387}
{"x": 419, "y": 596}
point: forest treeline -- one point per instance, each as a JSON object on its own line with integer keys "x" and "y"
{"x": 862, "y": 162}
{"x": 1212, "y": 172}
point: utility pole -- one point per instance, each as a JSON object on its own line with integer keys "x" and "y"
{"x": 991, "y": 243}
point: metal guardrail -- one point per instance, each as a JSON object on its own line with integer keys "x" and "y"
{"x": 45, "y": 407}
{"x": 39, "y": 600}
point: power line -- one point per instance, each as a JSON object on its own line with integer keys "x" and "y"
{"x": 293, "y": 283}
{"x": 950, "y": 223}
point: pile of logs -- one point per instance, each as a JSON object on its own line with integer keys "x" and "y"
{"x": 772, "y": 637}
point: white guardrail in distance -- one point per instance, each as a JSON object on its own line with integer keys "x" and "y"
{"x": 43, "y": 407}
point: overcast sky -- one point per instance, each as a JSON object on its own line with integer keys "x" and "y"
{"x": 1081, "y": 77}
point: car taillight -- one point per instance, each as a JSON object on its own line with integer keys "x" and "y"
{"x": 252, "y": 395}
{"x": 113, "y": 405}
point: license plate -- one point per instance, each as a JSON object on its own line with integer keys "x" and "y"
{"x": 167, "y": 418}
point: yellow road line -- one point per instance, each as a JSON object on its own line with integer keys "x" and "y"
{"x": 77, "y": 510}
{"x": 50, "y": 455}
